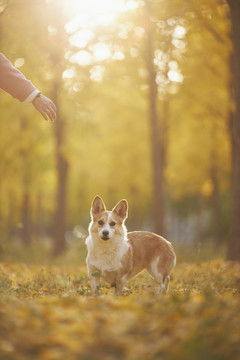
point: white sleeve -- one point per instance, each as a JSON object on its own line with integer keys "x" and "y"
{"x": 31, "y": 97}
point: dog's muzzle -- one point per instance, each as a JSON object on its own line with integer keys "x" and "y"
{"x": 105, "y": 235}
{"x": 105, "y": 238}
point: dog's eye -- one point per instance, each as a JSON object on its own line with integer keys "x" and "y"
{"x": 112, "y": 223}
{"x": 101, "y": 222}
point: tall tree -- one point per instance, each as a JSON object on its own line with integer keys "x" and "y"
{"x": 234, "y": 240}
{"x": 157, "y": 158}
{"x": 56, "y": 52}
{"x": 59, "y": 244}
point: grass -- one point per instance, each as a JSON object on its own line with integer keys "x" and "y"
{"x": 47, "y": 312}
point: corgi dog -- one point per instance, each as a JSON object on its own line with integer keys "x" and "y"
{"x": 116, "y": 256}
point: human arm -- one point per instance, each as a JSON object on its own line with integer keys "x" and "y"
{"x": 16, "y": 84}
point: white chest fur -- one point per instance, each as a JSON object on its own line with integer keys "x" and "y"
{"x": 106, "y": 256}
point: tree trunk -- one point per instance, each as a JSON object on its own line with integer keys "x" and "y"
{"x": 26, "y": 181}
{"x": 157, "y": 160}
{"x": 10, "y": 225}
{"x": 215, "y": 204}
{"x": 26, "y": 228}
{"x": 62, "y": 173}
{"x": 39, "y": 227}
{"x": 233, "y": 252}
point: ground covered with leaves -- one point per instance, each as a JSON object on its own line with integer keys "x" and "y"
{"x": 48, "y": 313}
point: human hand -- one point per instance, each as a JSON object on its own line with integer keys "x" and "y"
{"x": 45, "y": 106}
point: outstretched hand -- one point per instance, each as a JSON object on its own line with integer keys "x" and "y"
{"x": 46, "y": 107}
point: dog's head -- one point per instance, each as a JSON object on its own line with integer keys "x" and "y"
{"x": 107, "y": 224}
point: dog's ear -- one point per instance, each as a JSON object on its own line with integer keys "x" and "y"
{"x": 97, "y": 206}
{"x": 121, "y": 209}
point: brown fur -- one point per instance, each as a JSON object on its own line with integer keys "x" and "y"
{"x": 146, "y": 247}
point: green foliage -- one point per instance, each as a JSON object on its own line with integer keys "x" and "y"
{"x": 48, "y": 313}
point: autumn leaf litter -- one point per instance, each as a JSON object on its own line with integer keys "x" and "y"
{"x": 48, "y": 313}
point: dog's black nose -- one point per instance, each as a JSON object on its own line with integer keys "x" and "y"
{"x": 105, "y": 233}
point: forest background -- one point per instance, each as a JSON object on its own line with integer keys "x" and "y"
{"x": 145, "y": 111}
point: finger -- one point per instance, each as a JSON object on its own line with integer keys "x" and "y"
{"x": 48, "y": 113}
{"x": 54, "y": 115}
{"x": 44, "y": 115}
{"x": 54, "y": 106}
{"x": 51, "y": 114}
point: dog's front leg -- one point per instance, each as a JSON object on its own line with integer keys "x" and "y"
{"x": 94, "y": 276}
{"x": 120, "y": 282}
{"x": 95, "y": 285}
